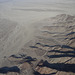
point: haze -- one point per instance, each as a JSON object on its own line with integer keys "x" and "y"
{"x": 23, "y": 15}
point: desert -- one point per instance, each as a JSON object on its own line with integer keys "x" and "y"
{"x": 37, "y": 37}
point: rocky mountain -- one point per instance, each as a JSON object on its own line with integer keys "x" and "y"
{"x": 51, "y": 52}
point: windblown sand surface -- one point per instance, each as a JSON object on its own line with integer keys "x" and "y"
{"x": 35, "y": 42}
{"x": 52, "y": 51}
{"x": 18, "y": 20}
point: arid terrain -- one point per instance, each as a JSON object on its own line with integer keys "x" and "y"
{"x": 51, "y": 52}
{"x": 37, "y": 37}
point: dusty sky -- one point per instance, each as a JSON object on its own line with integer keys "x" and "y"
{"x": 56, "y": 1}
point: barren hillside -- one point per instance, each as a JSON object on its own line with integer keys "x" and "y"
{"x": 51, "y": 52}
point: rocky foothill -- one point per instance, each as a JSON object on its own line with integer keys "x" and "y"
{"x": 51, "y": 52}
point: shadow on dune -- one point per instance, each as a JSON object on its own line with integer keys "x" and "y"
{"x": 68, "y": 47}
{"x": 62, "y": 46}
{"x": 9, "y": 69}
{"x": 29, "y": 59}
{"x": 60, "y": 53}
{"x": 63, "y": 53}
{"x": 71, "y": 33}
{"x": 33, "y": 47}
{"x": 60, "y": 66}
{"x": 24, "y": 58}
{"x": 72, "y": 38}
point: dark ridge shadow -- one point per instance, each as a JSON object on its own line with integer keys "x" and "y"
{"x": 37, "y": 73}
{"x": 40, "y": 44}
{"x": 5, "y": 70}
{"x": 71, "y": 33}
{"x": 29, "y": 59}
{"x": 62, "y": 51}
{"x": 47, "y": 45}
{"x": 66, "y": 46}
{"x": 24, "y": 58}
{"x": 60, "y": 66}
{"x": 18, "y": 56}
{"x": 62, "y": 46}
{"x": 65, "y": 53}
{"x": 52, "y": 46}
{"x": 72, "y": 38}
{"x": 61, "y": 55}
{"x": 33, "y": 47}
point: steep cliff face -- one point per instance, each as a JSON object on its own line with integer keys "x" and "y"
{"x": 51, "y": 52}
